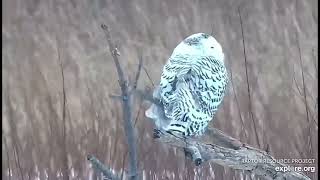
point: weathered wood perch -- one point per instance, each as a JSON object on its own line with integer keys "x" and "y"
{"x": 218, "y": 147}
{"x": 236, "y": 155}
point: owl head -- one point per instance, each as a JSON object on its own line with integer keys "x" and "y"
{"x": 200, "y": 44}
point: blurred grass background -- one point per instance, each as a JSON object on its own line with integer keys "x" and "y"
{"x": 280, "y": 115}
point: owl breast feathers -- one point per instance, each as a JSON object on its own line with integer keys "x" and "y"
{"x": 192, "y": 86}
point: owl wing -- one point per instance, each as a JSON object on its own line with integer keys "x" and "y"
{"x": 176, "y": 67}
{"x": 210, "y": 81}
{"x": 174, "y": 71}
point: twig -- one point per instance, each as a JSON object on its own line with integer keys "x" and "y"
{"x": 135, "y": 83}
{"x": 238, "y": 105}
{"x": 14, "y": 133}
{"x": 64, "y": 141}
{"x": 116, "y": 97}
{"x": 17, "y": 159}
{"x": 102, "y": 168}
{"x": 303, "y": 81}
{"x": 113, "y": 154}
{"x": 312, "y": 114}
{"x": 137, "y": 117}
{"x": 145, "y": 70}
{"x": 305, "y": 96}
{"x": 302, "y": 97}
{"x": 123, "y": 164}
{"x": 8, "y": 156}
{"x": 248, "y": 86}
{"x": 211, "y": 30}
{"x": 315, "y": 61}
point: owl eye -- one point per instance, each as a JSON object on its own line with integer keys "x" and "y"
{"x": 211, "y": 47}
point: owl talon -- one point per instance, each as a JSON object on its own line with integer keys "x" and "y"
{"x": 194, "y": 153}
{"x": 198, "y": 161}
{"x": 156, "y": 133}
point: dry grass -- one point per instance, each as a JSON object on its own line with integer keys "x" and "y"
{"x": 280, "y": 70}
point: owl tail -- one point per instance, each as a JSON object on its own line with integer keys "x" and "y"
{"x": 156, "y": 112}
{"x": 158, "y": 116}
{"x": 153, "y": 112}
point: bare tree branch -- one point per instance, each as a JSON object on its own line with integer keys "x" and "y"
{"x": 126, "y": 106}
{"x": 243, "y": 157}
{"x": 102, "y": 168}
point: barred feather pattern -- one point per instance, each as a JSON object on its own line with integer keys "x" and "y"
{"x": 192, "y": 92}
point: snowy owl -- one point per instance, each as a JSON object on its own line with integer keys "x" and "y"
{"x": 192, "y": 86}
